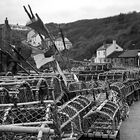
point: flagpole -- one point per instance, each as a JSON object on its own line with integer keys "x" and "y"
{"x": 63, "y": 39}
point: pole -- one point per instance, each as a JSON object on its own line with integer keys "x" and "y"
{"x": 63, "y": 39}
{"x": 138, "y": 58}
{"x": 138, "y": 61}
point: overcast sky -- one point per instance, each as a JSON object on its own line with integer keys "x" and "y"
{"x": 64, "y": 11}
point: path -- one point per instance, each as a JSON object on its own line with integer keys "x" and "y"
{"x": 130, "y": 129}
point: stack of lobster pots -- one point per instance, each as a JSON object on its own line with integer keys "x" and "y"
{"x": 42, "y": 106}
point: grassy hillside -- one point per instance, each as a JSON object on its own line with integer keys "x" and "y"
{"x": 88, "y": 35}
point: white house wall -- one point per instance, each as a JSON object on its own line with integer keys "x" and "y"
{"x": 60, "y": 46}
{"x": 101, "y": 54}
{"x": 33, "y": 38}
{"x": 36, "y": 41}
{"x": 29, "y": 35}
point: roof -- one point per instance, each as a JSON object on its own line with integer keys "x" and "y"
{"x": 129, "y": 53}
{"x": 115, "y": 54}
{"x": 103, "y": 47}
{"x": 60, "y": 39}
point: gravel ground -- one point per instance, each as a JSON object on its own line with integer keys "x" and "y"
{"x": 130, "y": 129}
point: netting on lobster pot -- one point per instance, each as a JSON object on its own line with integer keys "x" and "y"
{"x": 25, "y": 121}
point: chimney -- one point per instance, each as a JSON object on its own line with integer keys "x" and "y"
{"x": 114, "y": 42}
{"x": 6, "y": 21}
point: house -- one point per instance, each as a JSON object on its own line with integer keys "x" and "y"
{"x": 105, "y": 50}
{"x": 59, "y": 43}
{"x": 19, "y": 27}
{"x": 33, "y": 38}
{"x": 130, "y": 58}
{"x": 114, "y": 58}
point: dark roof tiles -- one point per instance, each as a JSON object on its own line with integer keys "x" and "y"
{"x": 129, "y": 53}
{"x": 115, "y": 54}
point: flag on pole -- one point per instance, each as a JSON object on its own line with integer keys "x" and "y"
{"x": 40, "y": 60}
{"x": 39, "y": 57}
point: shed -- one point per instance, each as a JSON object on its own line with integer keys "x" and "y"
{"x": 129, "y": 57}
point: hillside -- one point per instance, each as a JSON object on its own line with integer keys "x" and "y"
{"x": 88, "y": 35}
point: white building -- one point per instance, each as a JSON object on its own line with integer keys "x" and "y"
{"x": 105, "y": 50}
{"x": 59, "y": 44}
{"x": 19, "y": 27}
{"x": 33, "y": 38}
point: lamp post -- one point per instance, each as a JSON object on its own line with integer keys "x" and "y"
{"x": 138, "y": 58}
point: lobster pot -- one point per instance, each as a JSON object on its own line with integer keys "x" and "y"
{"x": 136, "y": 88}
{"x": 55, "y": 89}
{"x": 25, "y": 93}
{"x": 102, "y": 76}
{"x": 33, "y": 82}
{"x": 39, "y": 89}
{"x": 96, "y": 68}
{"x": 87, "y": 77}
{"x": 4, "y": 96}
{"x": 82, "y": 77}
{"x": 77, "y": 86}
{"x": 120, "y": 89}
{"x": 130, "y": 87}
{"x": 71, "y": 115}
{"x": 25, "y": 121}
{"x": 17, "y": 91}
{"x": 103, "y": 122}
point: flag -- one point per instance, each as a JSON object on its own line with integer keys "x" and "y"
{"x": 40, "y": 60}
{"x": 39, "y": 57}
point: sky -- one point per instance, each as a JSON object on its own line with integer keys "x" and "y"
{"x": 64, "y": 11}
